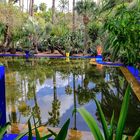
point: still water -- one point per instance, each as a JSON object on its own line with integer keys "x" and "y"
{"x": 53, "y": 88}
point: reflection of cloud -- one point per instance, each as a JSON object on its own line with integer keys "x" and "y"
{"x": 59, "y": 82}
{"x": 45, "y": 104}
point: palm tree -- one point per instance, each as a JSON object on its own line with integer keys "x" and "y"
{"x": 54, "y": 114}
{"x": 53, "y": 11}
{"x": 85, "y": 8}
{"x": 42, "y": 7}
{"x": 63, "y": 5}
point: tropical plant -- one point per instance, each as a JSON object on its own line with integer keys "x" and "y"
{"x": 35, "y": 8}
{"x": 123, "y": 33}
{"x": 43, "y": 7}
{"x": 85, "y": 8}
{"x": 60, "y": 136}
{"x": 63, "y": 5}
{"x": 3, "y": 129}
{"x": 108, "y": 130}
{"x": 11, "y": 19}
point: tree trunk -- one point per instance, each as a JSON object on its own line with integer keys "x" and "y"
{"x": 7, "y": 38}
{"x": 68, "y": 6}
{"x": 35, "y": 44}
{"x": 31, "y": 8}
{"x": 22, "y": 5}
{"x": 54, "y": 86}
{"x": 59, "y": 50}
{"x": 53, "y": 11}
{"x": 85, "y": 21}
{"x": 73, "y": 17}
{"x": 85, "y": 39}
{"x": 27, "y": 6}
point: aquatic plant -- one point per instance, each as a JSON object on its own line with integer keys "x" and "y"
{"x": 108, "y": 130}
{"x": 60, "y": 136}
{"x": 3, "y": 129}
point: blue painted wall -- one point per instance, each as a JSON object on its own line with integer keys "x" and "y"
{"x": 2, "y": 97}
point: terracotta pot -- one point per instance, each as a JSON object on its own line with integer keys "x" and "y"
{"x": 99, "y": 50}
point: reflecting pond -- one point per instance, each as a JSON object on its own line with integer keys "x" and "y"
{"x": 53, "y": 88}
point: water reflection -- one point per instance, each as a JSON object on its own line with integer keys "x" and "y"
{"x": 52, "y": 88}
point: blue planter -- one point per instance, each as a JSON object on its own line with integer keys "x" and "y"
{"x": 99, "y": 58}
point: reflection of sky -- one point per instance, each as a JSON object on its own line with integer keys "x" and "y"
{"x": 59, "y": 82}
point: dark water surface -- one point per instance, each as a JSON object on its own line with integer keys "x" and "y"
{"x": 52, "y": 88}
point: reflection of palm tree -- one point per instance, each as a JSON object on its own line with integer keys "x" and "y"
{"x": 54, "y": 114}
{"x": 74, "y": 93}
{"x": 68, "y": 88}
{"x": 36, "y": 108}
{"x": 111, "y": 101}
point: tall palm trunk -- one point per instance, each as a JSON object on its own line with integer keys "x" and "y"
{"x": 75, "y": 106}
{"x": 73, "y": 17}
{"x": 85, "y": 39}
{"x": 54, "y": 86}
{"x": 31, "y": 8}
{"x": 68, "y": 6}
{"x": 53, "y": 11}
{"x": 27, "y": 6}
{"x": 22, "y": 5}
{"x": 85, "y": 21}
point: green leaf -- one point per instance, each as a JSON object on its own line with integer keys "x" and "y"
{"x": 123, "y": 114}
{"x": 36, "y": 130}
{"x": 124, "y": 137}
{"x": 63, "y": 132}
{"x": 91, "y": 124}
{"x": 4, "y": 129}
{"x": 46, "y": 137}
{"x": 21, "y": 136}
{"x": 29, "y": 130}
{"x": 53, "y": 133}
{"x": 111, "y": 127}
{"x": 103, "y": 121}
{"x": 136, "y": 135}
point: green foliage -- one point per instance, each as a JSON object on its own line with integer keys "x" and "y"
{"x": 11, "y": 16}
{"x": 123, "y": 34}
{"x": 35, "y": 8}
{"x": 42, "y": 7}
{"x": 91, "y": 124}
{"x": 60, "y": 136}
{"x": 63, "y": 5}
{"x": 63, "y": 132}
{"x": 4, "y": 129}
{"x": 108, "y": 131}
{"x": 123, "y": 114}
{"x": 93, "y": 29}
{"x": 84, "y": 7}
